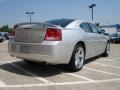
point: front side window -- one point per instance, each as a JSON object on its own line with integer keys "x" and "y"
{"x": 94, "y": 28}
{"x": 85, "y": 27}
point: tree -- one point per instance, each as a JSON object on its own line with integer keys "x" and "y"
{"x": 5, "y": 28}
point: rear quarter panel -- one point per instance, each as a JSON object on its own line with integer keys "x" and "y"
{"x": 69, "y": 40}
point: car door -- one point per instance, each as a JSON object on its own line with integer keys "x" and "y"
{"x": 98, "y": 39}
{"x": 89, "y": 40}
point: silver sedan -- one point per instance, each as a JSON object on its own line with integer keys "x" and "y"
{"x": 60, "y": 41}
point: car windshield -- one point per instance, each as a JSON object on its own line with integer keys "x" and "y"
{"x": 60, "y": 22}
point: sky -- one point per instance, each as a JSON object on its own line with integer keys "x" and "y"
{"x": 14, "y": 11}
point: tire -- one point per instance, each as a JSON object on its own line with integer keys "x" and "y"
{"x": 107, "y": 50}
{"x": 78, "y": 58}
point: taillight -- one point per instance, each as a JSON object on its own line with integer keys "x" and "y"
{"x": 53, "y": 34}
{"x": 13, "y": 31}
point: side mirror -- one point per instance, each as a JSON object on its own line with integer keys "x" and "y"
{"x": 102, "y": 31}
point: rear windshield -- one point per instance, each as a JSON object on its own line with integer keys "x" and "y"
{"x": 60, "y": 22}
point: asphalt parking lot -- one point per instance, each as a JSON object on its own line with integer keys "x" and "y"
{"x": 99, "y": 73}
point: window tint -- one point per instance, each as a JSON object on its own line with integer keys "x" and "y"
{"x": 61, "y": 22}
{"x": 94, "y": 28}
{"x": 85, "y": 27}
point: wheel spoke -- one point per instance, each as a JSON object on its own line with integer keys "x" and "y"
{"x": 79, "y": 57}
{"x": 108, "y": 48}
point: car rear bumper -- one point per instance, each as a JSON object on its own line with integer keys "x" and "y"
{"x": 38, "y": 52}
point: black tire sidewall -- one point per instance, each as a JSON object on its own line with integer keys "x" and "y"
{"x": 72, "y": 61}
{"x": 105, "y": 54}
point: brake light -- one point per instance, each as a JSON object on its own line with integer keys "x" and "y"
{"x": 53, "y": 34}
{"x": 13, "y": 31}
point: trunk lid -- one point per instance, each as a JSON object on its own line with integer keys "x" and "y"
{"x": 31, "y": 32}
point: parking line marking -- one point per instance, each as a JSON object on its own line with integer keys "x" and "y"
{"x": 106, "y": 65}
{"x": 106, "y": 59}
{"x": 75, "y": 75}
{"x": 43, "y": 85}
{"x": 61, "y": 84}
{"x": 34, "y": 75}
{"x": 8, "y": 62}
{"x": 114, "y": 58}
{"x": 102, "y": 71}
{"x": 79, "y": 76}
{"x": 111, "y": 60}
{"x": 2, "y": 84}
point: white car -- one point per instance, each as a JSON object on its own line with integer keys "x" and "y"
{"x": 61, "y": 41}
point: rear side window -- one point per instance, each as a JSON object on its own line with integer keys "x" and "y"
{"x": 85, "y": 27}
{"x": 60, "y": 22}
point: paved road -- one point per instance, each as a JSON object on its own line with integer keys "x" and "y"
{"x": 98, "y": 74}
